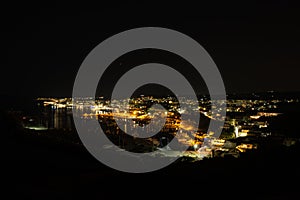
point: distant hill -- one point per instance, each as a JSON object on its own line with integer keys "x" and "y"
{"x": 265, "y": 95}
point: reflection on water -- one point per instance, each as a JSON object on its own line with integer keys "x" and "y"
{"x": 62, "y": 118}
{"x": 56, "y": 118}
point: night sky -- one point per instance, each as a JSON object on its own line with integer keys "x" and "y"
{"x": 255, "y": 46}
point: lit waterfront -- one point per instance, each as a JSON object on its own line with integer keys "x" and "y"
{"x": 246, "y": 122}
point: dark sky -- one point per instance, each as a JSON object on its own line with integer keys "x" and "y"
{"x": 255, "y": 46}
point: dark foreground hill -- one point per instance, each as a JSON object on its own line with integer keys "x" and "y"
{"x": 40, "y": 169}
{"x": 36, "y": 167}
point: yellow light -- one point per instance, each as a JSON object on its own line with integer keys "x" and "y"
{"x": 255, "y": 117}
